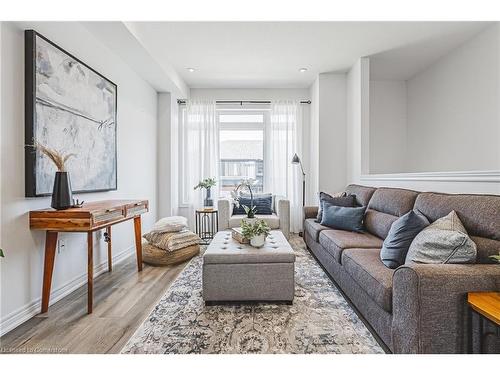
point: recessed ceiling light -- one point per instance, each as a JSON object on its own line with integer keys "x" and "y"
{"x": 191, "y": 70}
{"x": 303, "y": 70}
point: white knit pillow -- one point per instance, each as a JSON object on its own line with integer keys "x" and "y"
{"x": 170, "y": 224}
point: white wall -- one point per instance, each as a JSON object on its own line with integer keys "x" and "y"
{"x": 332, "y": 132}
{"x": 453, "y": 118}
{"x": 358, "y": 109}
{"x": 388, "y": 127}
{"x": 443, "y": 119}
{"x": 21, "y": 270}
{"x": 312, "y": 182}
{"x": 358, "y": 153}
{"x": 250, "y": 94}
{"x": 168, "y": 155}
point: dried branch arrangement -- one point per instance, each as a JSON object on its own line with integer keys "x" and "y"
{"x": 57, "y": 157}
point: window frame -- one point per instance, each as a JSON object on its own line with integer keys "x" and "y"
{"x": 222, "y": 109}
{"x": 246, "y": 126}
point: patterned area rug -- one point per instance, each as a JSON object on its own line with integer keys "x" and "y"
{"x": 319, "y": 321}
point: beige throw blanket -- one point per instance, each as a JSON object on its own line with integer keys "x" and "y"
{"x": 172, "y": 241}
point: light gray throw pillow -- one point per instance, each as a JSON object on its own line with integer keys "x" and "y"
{"x": 444, "y": 241}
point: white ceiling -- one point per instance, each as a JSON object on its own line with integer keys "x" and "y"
{"x": 269, "y": 54}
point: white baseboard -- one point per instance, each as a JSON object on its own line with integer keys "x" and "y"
{"x": 18, "y": 317}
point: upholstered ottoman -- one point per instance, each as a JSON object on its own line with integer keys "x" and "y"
{"x": 239, "y": 272}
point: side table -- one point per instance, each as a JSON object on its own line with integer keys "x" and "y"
{"x": 487, "y": 306}
{"x": 207, "y": 224}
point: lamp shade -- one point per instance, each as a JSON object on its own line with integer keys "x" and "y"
{"x": 295, "y": 159}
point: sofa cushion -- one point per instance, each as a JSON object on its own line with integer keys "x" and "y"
{"x": 378, "y": 223}
{"x": 272, "y": 220}
{"x": 346, "y": 218}
{"x": 386, "y": 206}
{"x": 335, "y": 241}
{"x": 362, "y": 193}
{"x": 492, "y": 246}
{"x": 313, "y": 228}
{"x": 393, "y": 201}
{"x": 335, "y": 200}
{"x": 478, "y": 213}
{"x": 366, "y": 268}
{"x": 402, "y": 233}
{"x": 445, "y": 241}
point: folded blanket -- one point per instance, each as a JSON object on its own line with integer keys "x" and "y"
{"x": 172, "y": 241}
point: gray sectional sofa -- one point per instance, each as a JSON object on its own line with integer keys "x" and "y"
{"x": 418, "y": 308}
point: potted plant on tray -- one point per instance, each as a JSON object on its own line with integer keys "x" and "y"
{"x": 207, "y": 184}
{"x": 256, "y": 232}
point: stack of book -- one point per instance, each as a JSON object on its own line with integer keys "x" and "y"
{"x": 238, "y": 235}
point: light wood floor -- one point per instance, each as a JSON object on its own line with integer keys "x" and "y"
{"x": 122, "y": 300}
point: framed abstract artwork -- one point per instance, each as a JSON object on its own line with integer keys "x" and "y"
{"x": 70, "y": 108}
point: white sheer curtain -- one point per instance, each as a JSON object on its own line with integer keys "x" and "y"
{"x": 200, "y": 145}
{"x": 283, "y": 139}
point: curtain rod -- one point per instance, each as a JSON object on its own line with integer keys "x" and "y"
{"x": 182, "y": 101}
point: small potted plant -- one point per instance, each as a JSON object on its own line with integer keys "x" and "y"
{"x": 256, "y": 232}
{"x": 207, "y": 184}
{"x": 235, "y": 194}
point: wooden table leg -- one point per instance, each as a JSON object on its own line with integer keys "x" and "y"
{"x": 90, "y": 273}
{"x": 48, "y": 267}
{"x": 138, "y": 241}
{"x": 480, "y": 333}
{"x": 470, "y": 331}
{"x": 110, "y": 258}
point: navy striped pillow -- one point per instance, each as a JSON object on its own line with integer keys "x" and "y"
{"x": 263, "y": 205}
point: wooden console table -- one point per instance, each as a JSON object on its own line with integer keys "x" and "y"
{"x": 87, "y": 219}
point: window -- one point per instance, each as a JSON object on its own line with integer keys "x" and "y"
{"x": 241, "y": 149}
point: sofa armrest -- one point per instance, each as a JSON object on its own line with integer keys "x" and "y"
{"x": 429, "y": 305}
{"x": 282, "y": 206}
{"x": 224, "y": 207}
{"x": 310, "y": 212}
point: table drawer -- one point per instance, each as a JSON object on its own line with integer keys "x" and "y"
{"x": 136, "y": 209}
{"x": 108, "y": 215}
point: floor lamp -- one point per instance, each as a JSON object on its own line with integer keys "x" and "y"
{"x": 296, "y": 160}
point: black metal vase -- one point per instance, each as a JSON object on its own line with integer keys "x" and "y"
{"x": 62, "y": 196}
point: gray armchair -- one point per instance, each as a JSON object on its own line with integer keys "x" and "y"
{"x": 280, "y": 219}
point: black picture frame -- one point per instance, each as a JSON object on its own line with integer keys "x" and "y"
{"x": 30, "y": 37}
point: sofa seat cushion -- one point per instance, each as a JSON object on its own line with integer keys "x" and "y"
{"x": 366, "y": 268}
{"x": 272, "y": 220}
{"x": 335, "y": 241}
{"x": 313, "y": 228}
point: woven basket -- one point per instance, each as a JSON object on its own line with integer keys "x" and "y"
{"x": 159, "y": 257}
